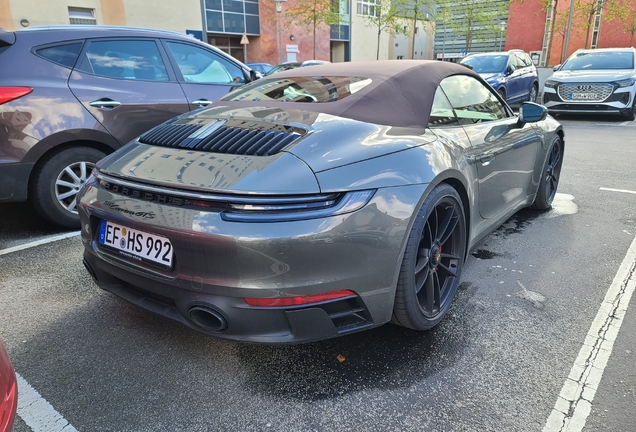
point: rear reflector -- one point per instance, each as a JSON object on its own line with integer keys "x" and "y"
{"x": 300, "y": 300}
{"x": 10, "y": 93}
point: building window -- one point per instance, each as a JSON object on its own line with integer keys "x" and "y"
{"x": 369, "y": 7}
{"x": 597, "y": 26}
{"x": 81, "y": 16}
{"x": 233, "y": 16}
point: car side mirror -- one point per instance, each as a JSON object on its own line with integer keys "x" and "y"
{"x": 510, "y": 70}
{"x": 253, "y": 75}
{"x": 530, "y": 112}
{"x": 556, "y": 68}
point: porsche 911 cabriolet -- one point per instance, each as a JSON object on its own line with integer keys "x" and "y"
{"x": 317, "y": 202}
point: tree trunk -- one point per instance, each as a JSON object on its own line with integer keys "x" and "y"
{"x": 413, "y": 43}
{"x": 314, "y": 57}
{"x": 377, "y": 54}
{"x": 551, "y": 35}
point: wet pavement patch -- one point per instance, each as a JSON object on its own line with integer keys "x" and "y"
{"x": 386, "y": 358}
{"x": 485, "y": 254}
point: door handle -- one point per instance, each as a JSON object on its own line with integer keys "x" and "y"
{"x": 105, "y": 103}
{"x": 486, "y": 160}
{"x": 201, "y": 102}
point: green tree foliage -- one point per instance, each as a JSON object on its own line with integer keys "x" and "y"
{"x": 414, "y": 11}
{"x": 312, "y": 14}
{"x": 477, "y": 20}
{"x": 622, "y": 12}
{"x": 384, "y": 17}
{"x": 584, "y": 13}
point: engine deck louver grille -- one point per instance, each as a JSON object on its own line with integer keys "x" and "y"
{"x": 225, "y": 136}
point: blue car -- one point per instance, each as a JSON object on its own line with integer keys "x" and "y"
{"x": 512, "y": 74}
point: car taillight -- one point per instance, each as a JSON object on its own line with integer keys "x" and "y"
{"x": 300, "y": 300}
{"x": 8, "y": 94}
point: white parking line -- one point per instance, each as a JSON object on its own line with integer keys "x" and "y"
{"x": 37, "y": 413}
{"x": 574, "y": 403}
{"x": 39, "y": 242}
{"x": 625, "y": 123}
{"x": 617, "y": 190}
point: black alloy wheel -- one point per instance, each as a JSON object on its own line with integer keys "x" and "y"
{"x": 550, "y": 177}
{"x": 432, "y": 262}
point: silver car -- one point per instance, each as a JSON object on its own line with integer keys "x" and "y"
{"x": 599, "y": 81}
{"x": 317, "y": 202}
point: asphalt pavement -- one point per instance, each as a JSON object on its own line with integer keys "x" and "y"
{"x": 498, "y": 362}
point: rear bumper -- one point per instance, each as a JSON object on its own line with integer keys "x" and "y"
{"x": 219, "y": 263}
{"x": 230, "y": 317}
{"x": 14, "y": 181}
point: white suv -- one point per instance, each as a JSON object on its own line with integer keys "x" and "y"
{"x": 599, "y": 81}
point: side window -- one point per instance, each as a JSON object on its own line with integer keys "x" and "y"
{"x": 521, "y": 61}
{"x": 125, "y": 59}
{"x": 442, "y": 113}
{"x": 527, "y": 60}
{"x": 198, "y": 65}
{"x": 512, "y": 61}
{"x": 64, "y": 55}
{"x": 472, "y": 101}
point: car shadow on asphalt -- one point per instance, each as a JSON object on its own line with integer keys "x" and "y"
{"x": 20, "y": 223}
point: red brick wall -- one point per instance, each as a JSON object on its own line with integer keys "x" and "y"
{"x": 264, "y": 48}
{"x": 526, "y": 23}
{"x": 612, "y": 35}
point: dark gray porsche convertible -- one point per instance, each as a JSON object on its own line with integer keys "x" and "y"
{"x": 318, "y": 202}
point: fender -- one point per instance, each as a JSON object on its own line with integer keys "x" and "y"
{"x": 100, "y": 138}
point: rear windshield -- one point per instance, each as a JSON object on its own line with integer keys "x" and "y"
{"x": 318, "y": 89}
{"x": 600, "y": 60}
{"x": 486, "y": 64}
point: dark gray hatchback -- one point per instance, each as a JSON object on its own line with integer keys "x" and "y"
{"x": 69, "y": 95}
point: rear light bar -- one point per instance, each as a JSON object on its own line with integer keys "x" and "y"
{"x": 8, "y": 94}
{"x": 300, "y": 300}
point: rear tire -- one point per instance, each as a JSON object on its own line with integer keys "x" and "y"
{"x": 550, "y": 177}
{"x": 55, "y": 185}
{"x": 432, "y": 262}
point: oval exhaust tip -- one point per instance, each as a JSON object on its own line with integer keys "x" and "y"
{"x": 208, "y": 318}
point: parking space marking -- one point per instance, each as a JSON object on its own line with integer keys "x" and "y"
{"x": 37, "y": 413}
{"x": 624, "y": 123}
{"x": 617, "y": 190}
{"x": 574, "y": 403}
{"x": 39, "y": 242}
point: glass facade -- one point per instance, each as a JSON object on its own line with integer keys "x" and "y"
{"x": 233, "y": 16}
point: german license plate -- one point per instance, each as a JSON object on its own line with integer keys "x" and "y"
{"x": 584, "y": 96}
{"x": 136, "y": 244}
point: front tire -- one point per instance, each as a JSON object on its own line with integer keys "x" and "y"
{"x": 550, "y": 177}
{"x": 55, "y": 185}
{"x": 432, "y": 261}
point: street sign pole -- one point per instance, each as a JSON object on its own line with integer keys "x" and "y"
{"x": 245, "y": 42}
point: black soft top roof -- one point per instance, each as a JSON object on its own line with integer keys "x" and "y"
{"x": 400, "y": 94}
